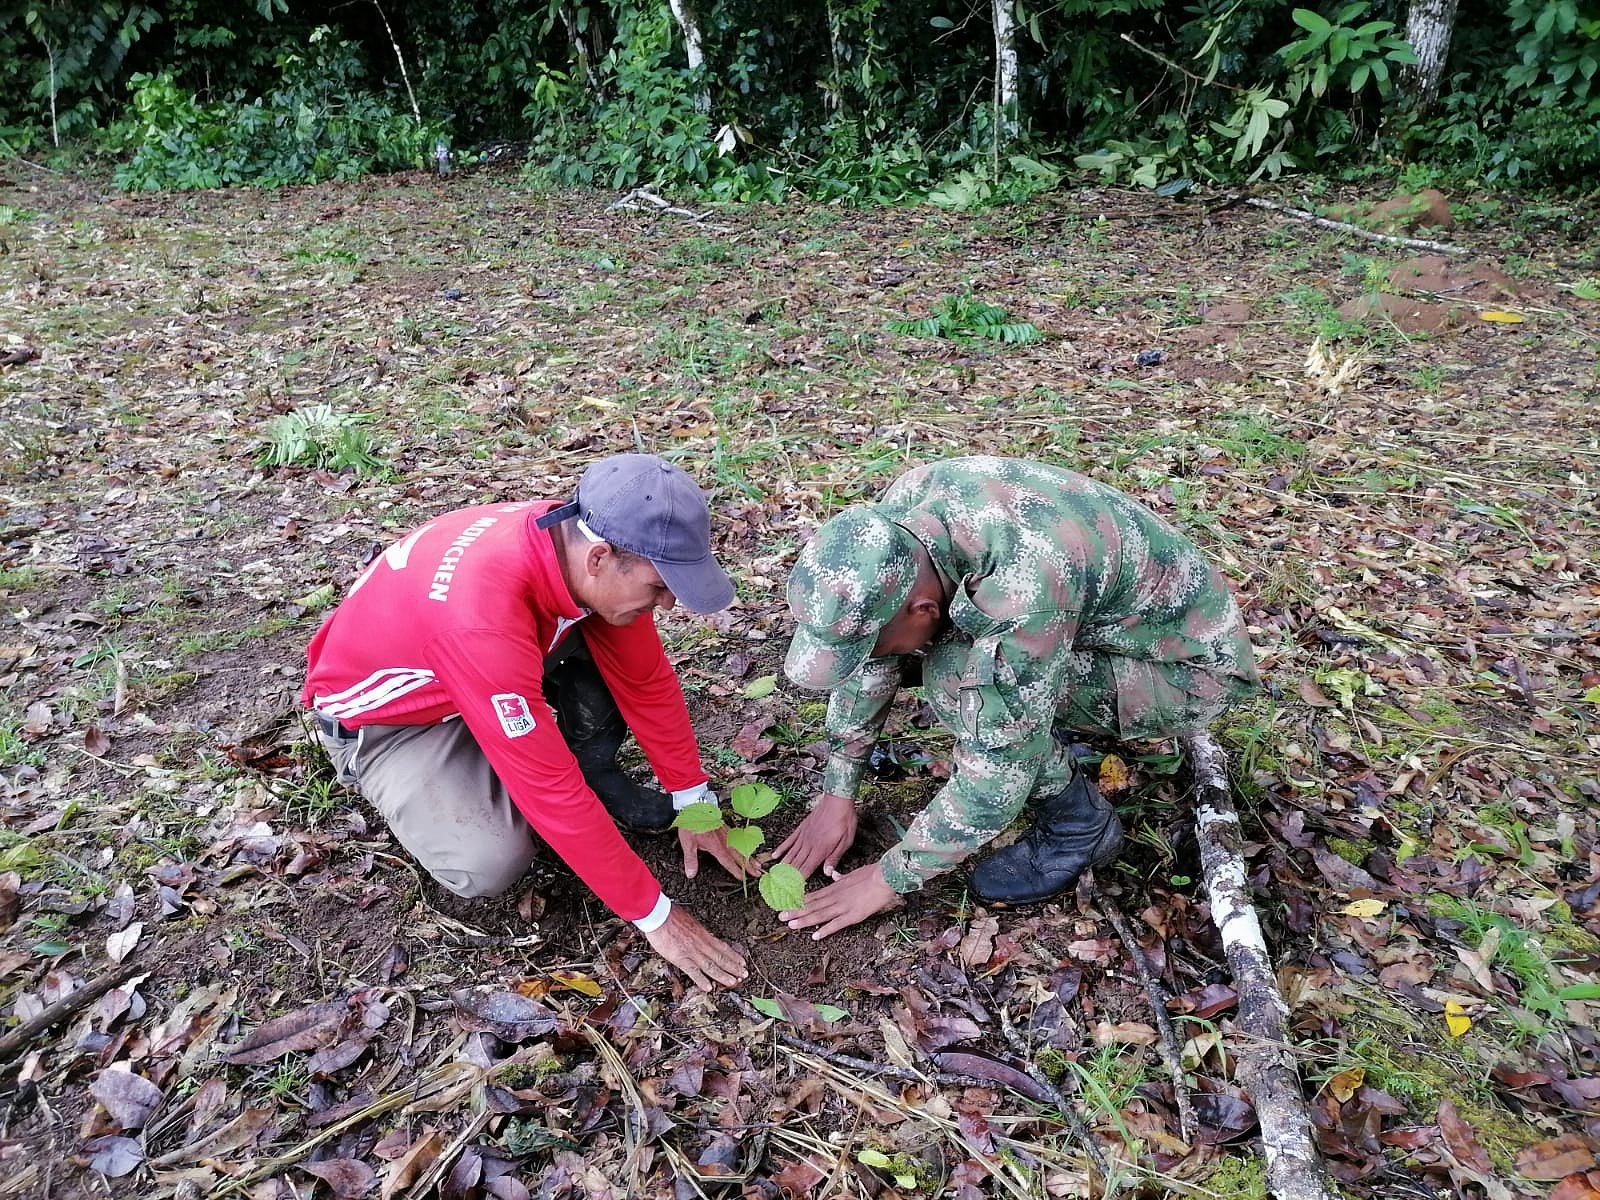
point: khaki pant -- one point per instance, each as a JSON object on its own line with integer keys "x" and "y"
{"x": 442, "y": 800}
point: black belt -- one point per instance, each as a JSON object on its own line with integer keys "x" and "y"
{"x": 332, "y": 728}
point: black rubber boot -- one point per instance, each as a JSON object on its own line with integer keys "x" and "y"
{"x": 591, "y": 723}
{"x": 1077, "y": 829}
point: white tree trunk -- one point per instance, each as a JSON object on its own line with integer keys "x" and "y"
{"x": 693, "y": 45}
{"x": 1429, "y": 24}
{"x": 1005, "y": 71}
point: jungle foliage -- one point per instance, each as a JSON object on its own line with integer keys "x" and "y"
{"x": 839, "y": 99}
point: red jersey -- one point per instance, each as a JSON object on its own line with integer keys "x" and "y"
{"x": 456, "y": 619}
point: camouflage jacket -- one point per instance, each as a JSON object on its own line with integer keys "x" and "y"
{"x": 1059, "y": 584}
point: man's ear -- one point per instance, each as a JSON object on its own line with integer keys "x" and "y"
{"x": 925, "y": 606}
{"x": 597, "y": 554}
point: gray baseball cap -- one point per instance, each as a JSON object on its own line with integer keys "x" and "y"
{"x": 645, "y": 505}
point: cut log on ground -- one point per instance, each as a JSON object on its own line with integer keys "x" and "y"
{"x": 1266, "y": 1061}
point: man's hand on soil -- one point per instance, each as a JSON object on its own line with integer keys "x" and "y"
{"x": 715, "y": 844}
{"x": 853, "y": 898}
{"x": 822, "y": 838}
{"x": 688, "y": 945}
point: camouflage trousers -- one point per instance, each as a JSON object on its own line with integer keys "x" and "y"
{"x": 1107, "y": 695}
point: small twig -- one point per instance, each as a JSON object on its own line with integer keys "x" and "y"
{"x": 1069, "y": 1116}
{"x": 881, "y": 1070}
{"x": 636, "y": 1133}
{"x": 63, "y": 1008}
{"x": 400, "y": 58}
{"x": 1168, "y": 1046}
{"x": 1180, "y": 68}
{"x": 447, "y": 1158}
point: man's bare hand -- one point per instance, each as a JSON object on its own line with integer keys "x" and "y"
{"x": 715, "y": 844}
{"x": 822, "y": 838}
{"x": 688, "y": 945}
{"x": 851, "y": 899}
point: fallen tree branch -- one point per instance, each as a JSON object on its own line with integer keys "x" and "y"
{"x": 19, "y": 1038}
{"x": 647, "y": 201}
{"x": 1266, "y": 1064}
{"x": 1168, "y": 1045}
{"x": 1388, "y": 239}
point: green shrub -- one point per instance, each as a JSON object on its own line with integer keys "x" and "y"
{"x": 316, "y": 124}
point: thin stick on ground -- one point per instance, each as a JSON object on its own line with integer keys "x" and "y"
{"x": 19, "y": 1038}
{"x": 1266, "y": 1062}
{"x": 1167, "y": 1045}
{"x": 1069, "y": 1116}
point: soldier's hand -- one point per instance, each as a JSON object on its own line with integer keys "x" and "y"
{"x": 688, "y": 945}
{"x": 851, "y": 899}
{"x": 715, "y": 844}
{"x": 822, "y": 838}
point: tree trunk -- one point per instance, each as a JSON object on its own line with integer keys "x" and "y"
{"x": 1005, "y": 72}
{"x": 694, "y": 47}
{"x": 1429, "y": 24}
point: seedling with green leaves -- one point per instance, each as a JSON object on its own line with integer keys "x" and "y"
{"x": 963, "y": 318}
{"x": 782, "y": 887}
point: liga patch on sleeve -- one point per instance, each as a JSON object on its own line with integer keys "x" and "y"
{"x": 515, "y": 716}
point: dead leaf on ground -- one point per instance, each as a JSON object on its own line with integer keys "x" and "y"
{"x": 129, "y": 1098}
{"x": 120, "y": 944}
{"x": 306, "y": 1029}
{"x": 349, "y": 1178}
{"x": 408, "y": 1168}
{"x": 115, "y": 1157}
{"x": 748, "y": 743}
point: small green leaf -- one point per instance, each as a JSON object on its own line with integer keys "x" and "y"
{"x": 831, "y": 1012}
{"x": 1580, "y": 991}
{"x": 941, "y": 22}
{"x": 747, "y": 840}
{"x": 1310, "y": 21}
{"x": 1593, "y": 695}
{"x": 770, "y": 1007}
{"x": 874, "y": 1158}
{"x": 758, "y": 688}
{"x": 783, "y": 887}
{"x": 905, "y": 1179}
{"x": 699, "y": 818}
{"x": 51, "y": 949}
{"x": 754, "y": 800}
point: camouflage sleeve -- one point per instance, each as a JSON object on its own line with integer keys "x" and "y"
{"x": 998, "y": 694}
{"x": 987, "y": 791}
{"x": 856, "y": 713}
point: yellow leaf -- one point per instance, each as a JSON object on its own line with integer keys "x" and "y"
{"x": 1505, "y": 318}
{"x": 1346, "y": 1083}
{"x": 577, "y": 982}
{"x": 1113, "y": 774}
{"x": 1363, "y": 908}
{"x": 1456, "y": 1018}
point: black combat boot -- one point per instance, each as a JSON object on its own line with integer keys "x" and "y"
{"x": 593, "y": 727}
{"x": 1076, "y": 829}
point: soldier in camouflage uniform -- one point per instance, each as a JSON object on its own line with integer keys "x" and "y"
{"x": 1037, "y": 598}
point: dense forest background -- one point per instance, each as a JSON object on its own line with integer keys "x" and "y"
{"x": 968, "y": 102}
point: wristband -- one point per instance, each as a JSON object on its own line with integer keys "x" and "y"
{"x": 656, "y": 917}
{"x": 700, "y": 793}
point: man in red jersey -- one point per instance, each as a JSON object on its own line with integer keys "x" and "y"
{"x": 476, "y": 682}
